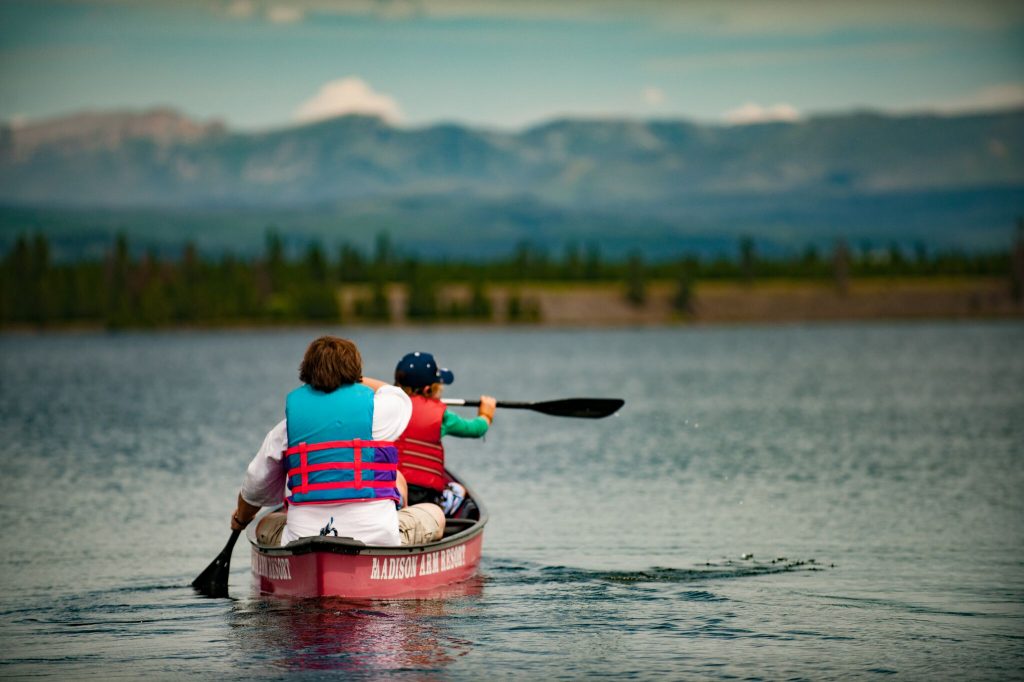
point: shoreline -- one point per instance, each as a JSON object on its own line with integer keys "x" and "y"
{"x": 769, "y": 301}
{"x": 603, "y": 305}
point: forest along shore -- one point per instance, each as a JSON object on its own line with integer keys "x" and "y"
{"x": 126, "y": 290}
{"x": 609, "y": 304}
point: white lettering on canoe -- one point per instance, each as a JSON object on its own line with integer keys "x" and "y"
{"x": 394, "y": 568}
{"x": 275, "y": 568}
{"x": 400, "y": 568}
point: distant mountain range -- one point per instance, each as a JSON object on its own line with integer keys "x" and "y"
{"x": 661, "y": 186}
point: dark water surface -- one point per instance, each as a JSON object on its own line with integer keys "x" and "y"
{"x": 874, "y": 473}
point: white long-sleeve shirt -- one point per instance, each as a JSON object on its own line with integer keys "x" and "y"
{"x": 374, "y": 522}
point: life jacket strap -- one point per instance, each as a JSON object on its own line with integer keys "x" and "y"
{"x": 422, "y": 455}
{"x": 332, "y": 444}
{"x": 357, "y": 465}
{"x": 429, "y": 470}
{"x": 436, "y": 447}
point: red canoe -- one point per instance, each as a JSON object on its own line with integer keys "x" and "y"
{"x": 343, "y": 567}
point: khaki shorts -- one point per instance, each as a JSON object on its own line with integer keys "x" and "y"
{"x": 270, "y": 527}
{"x": 417, "y": 526}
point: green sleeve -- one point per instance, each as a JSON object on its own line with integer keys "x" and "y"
{"x": 454, "y": 425}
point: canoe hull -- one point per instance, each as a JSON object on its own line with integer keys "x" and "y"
{"x": 342, "y": 567}
{"x": 374, "y": 574}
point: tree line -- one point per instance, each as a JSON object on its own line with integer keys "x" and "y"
{"x": 140, "y": 289}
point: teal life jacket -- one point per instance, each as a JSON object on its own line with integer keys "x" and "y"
{"x": 331, "y": 455}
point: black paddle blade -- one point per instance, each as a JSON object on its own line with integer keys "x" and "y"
{"x": 213, "y": 582}
{"x": 582, "y": 408}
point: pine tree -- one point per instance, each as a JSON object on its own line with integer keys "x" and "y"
{"x": 351, "y": 264}
{"x": 748, "y": 259}
{"x": 841, "y": 267}
{"x": 1017, "y": 265}
{"x": 118, "y": 312}
{"x": 316, "y": 263}
{"x": 572, "y": 264}
{"x": 480, "y": 306}
{"x": 682, "y": 302}
{"x": 636, "y": 280}
{"x": 275, "y": 260}
{"x": 421, "y": 291}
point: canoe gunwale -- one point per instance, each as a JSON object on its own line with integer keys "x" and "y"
{"x": 348, "y": 546}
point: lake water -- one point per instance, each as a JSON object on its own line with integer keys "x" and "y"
{"x": 883, "y": 464}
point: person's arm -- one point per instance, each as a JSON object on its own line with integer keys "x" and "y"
{"x": 263, "y": 485}
{"x": 244, "y": 514}
{"x": 403, "y": 489}
{"x": 392, "y": 409}
{"x": 374, "y": 384}
{"x": 454, "y": 425}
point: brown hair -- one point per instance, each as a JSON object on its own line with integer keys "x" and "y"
{"x": 330, "y": 363}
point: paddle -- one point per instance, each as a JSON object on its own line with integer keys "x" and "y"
{"x": 213, "y": 582}
{"x": 584, "y": 408}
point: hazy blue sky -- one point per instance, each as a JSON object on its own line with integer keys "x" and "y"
{"x": 264, "y": 64}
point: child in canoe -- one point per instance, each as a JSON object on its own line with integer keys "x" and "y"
{"x": 420, "y": 450}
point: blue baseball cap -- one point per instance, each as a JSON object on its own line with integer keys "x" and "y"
{"x": 420, "y": 369}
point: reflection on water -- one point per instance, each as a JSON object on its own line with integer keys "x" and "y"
{"x": 356, "y": 636}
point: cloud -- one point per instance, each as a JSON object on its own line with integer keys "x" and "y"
{"x": 1002, "y": 96}
{"x": 273, "y": 13}
{"x": 240, "y": 9}
{"x": 284, "y": 14}
{"x": 653, "y": 95}
{"x": 998, "y": 97}
{"x": 755, "y": 113}
{"x": 351, "y": 95}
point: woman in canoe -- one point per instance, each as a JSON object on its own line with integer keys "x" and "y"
{"x": 420, "y": 450}
{"x": 338, "y": 485}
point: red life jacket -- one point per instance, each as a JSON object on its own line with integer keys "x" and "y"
{"x": 420, "y": 452}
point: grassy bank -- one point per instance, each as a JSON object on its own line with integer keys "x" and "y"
{"x": 606, "y": 304}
